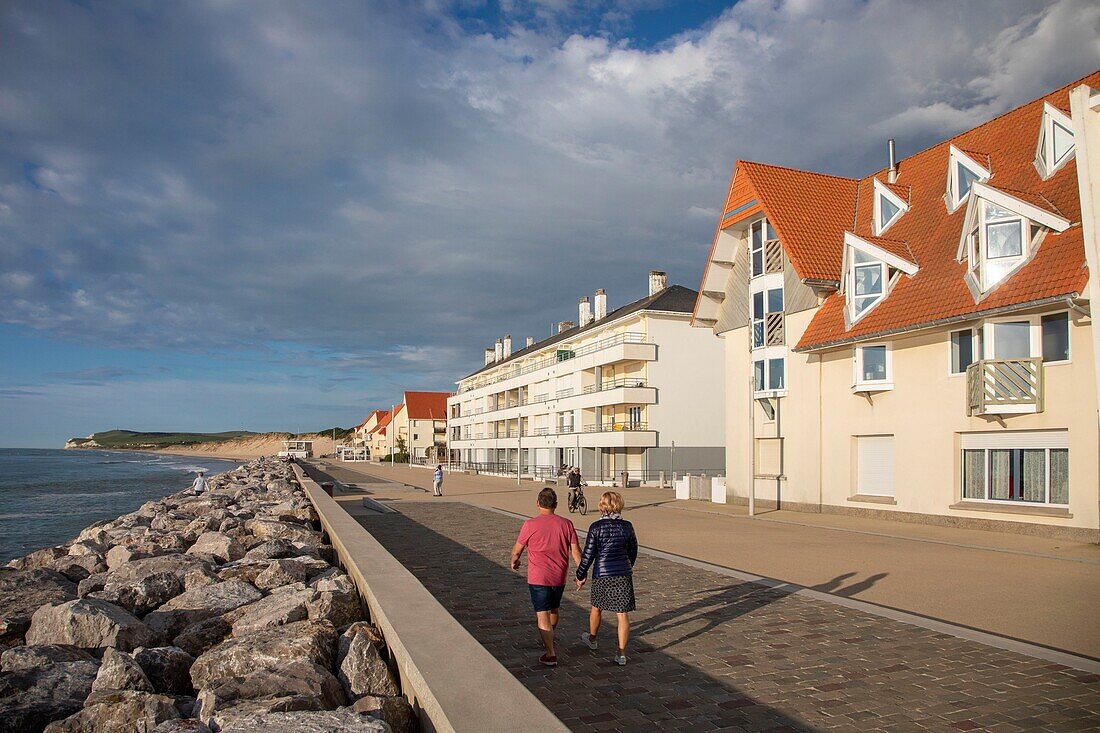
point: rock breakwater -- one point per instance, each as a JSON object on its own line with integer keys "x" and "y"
{"x": 214, "y": 612}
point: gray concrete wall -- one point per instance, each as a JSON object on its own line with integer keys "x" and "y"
{"x": 711, "y": 459}
{"x": 454, "y": 683}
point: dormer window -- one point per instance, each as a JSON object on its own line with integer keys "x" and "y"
{"x": 868, "y": 283}
{"x": 1056, "y": 144}
{"x": 888, "y": 208}
{"x": 1001, "y": 234}
{"x": 963, "y": 172}
{"x": 764, "y": 248}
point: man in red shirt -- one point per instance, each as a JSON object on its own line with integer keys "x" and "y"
{"x": 550, "y": 539}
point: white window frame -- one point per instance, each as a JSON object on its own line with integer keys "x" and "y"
{"x": 976, "y": 339}
{"x": 956, "y": 157}
{"x": 1011, "y": 440}
{"x": 893, "y": 265}
{"x": 763, "y": 226}
{"x": 884, "y": 278}
{"x": 1044, "y": 152}
{"x": 874, "y": 385}
{"x": 882, "y": 192}
{"x": 767, "y": 355}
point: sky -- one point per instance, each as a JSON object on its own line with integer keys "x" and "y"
{"x": 279, "y": 215}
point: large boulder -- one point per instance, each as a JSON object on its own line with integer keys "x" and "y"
{"x": 201, "y": 635}
{"x": 326, "y": 721}
{"x": 89, "y": 623}
{"x": 142, "y": 595}
{"x": 168, "y": 668}
{"x": 47, "y": 683}
{"x": 363, "y": 671}
{"x": 200, "y": 603}
{"x": 236, "y": 657}
{"x": 190, "y": 570}
{"x": 38, "y": 558}
{"x": 182, "y": 725}
{"x": 271, "y": 529}
{"x": 295, "y": 685}
{"x": 119, "y": 671}
{"x": 22, "y": 592}
{"x": 339, "y": 608}
{"x": 119, "y": 711}
{"x": 75, "y": 569}
{"x": 396, "y": 711}
{"x": 277, "y": 609}
{"x": 272, "y": 550}
{"x": 216, "y": 544}
{"x": 281, "y": 572}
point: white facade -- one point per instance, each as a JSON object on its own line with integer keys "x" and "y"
{"x": 615, "y": 395}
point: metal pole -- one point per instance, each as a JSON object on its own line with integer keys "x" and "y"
{"x": 752, "y": 435}
{"x": 519, "y": 450}
{"x": 393, "y": 426}
{"x": 672, "y": 464}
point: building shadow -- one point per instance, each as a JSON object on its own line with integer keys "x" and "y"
{"x": 462, "y": 558}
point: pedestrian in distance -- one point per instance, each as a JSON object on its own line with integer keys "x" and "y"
{"x": 549, "y": 540}
{"x": 200, "y": 484}
{"x": 610, "y": 550}
{"x": 437, "y": 481}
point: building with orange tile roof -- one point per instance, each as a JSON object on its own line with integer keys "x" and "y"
{"x": 916, "y": 344}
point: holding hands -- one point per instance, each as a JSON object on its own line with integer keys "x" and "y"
{"x": 580, "y": 583}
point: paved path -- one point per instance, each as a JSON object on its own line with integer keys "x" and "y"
{"x": 712, "y": 653}
{"x": 1039, "y": 590}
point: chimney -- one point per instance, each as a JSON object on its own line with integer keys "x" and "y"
{"x": 601, "y": 304}
{"x": 489, "y": 356}
{"x": 498, "y": 352}
{"x": 565, "y": 325}
{"x": 585, "y": 311}
{"x": 507, "y": 346}
{"x": 892, "y": 174}
{"x": 530, "y": 342}
{"x": 658, "y": 281}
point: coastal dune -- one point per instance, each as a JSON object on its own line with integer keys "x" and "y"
{"x": 221, "y": 611}
{"x": 264, "y": 444}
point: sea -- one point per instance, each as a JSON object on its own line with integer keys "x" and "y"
{"x": 48, "y": 496}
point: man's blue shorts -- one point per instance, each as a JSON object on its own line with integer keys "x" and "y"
{"x": 546, "y": 597}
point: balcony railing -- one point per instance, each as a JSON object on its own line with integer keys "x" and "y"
{"x": 563, "y": 393}
{"x": 1004, "y": 386}
{"x": 615, "y": 384}
{"x": 614, "y": 427}
{"x": 560, "y": 355}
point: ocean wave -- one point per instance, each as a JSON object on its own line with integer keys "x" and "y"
{"x": 38, "y": 515}
{"x": 80, "y": 495}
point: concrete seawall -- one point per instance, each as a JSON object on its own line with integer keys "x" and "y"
{"x": 452, "y": 681}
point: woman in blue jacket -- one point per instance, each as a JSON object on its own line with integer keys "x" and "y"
{"x": 610, "y": 550}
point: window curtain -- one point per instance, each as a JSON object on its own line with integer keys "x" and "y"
{"x": 974, "y": 474}
{"x": 1059, "y": 476}
{"x": 1000, "y": 474}
{"x": 1034, "y": 475}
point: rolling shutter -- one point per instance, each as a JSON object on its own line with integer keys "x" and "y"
{"x": 875, "y": 465}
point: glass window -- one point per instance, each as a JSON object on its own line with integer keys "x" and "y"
{"x": 775, "y": 373}
{"x": 758, "y": 248}
{"x": 869, "y": 279}
{"x": 966, "y": 179}
{"x": 771, "y": 232}
{"x": 887, "y": 211}
{"x": 1063, "y": 143}
{"x": 1056, "y": 337}
{"x": 1059, "y": 476}
{"x": 775, "y": 300}
{"x": 757, "y": 319}
{"x": 1035, "y": 475}
{"x": 873, "y": 363}
{"x": 973, "y": 474}
{"x": 1012, "y": 340}
{"x": 962, "y": 350}
{"x": 758, "y": 375}
{"x": 1003, "y": 239}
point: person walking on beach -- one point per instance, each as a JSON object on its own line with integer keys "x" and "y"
{"x": 549, "y": 540}
{"x": 200, "y": 484}
{"x": 610, "y": 551}
{"x": 437, "y": 481}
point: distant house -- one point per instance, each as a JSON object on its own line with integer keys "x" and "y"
{"x": 361, "y": 434}
{"x": 421, "y": 420}
{"x": 916, "y": 343}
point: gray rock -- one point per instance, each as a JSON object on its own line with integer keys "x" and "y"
{"x": 140, "y": 596}
{"x": 243, "y": 570}
{"x": 270, "y": 529}
{"x": 183, "y": 725}
{"x": 366, "y": 628}
{"x": 91, "y": 584}
{"x": 121, "y": 554}
{"x": 363, "y": 671}
{"x": 237, "y": 656}
{"x": 295, "y": 685}
{"x": 272, "y": 550}
{"x": 340, "y": 608}
{"x": 281, "y": 572}
{"x": 119, "y": 671}
{"x": 48, "y": 691}
{"x": 327, "y": 721}
{"x": 332, "y": 579}
{"x": 198, "y": 604}
{"x": 395, "y": 711}
{"x": 89, "y": 623}
{"x": 168, "y": 668}
{"x": 181, "y": 565}
{"x": 75, "y": 569}
{"x": 38, "y": 558}
{"x": 221, "y": 546}
{"x": 22, "y": 592}
{"x": 277, "y": 609}
{"x": 200, "y": 636}
{"x": 20, "y": 658}
{"x": 119, "y": 711}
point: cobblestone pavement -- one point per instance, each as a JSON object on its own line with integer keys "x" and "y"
{"x": 710, "y": 653}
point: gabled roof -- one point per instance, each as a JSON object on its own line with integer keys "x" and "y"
{"x": 384, "y": 419}
{"x": 426, "y": 405}
{"x": 673, "y": 299}
{"x": 811, "y": 212}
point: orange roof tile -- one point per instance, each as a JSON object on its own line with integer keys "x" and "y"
{"x": 426, "y": 405}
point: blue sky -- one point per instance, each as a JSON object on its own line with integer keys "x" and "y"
{"x": 276, "y": 216}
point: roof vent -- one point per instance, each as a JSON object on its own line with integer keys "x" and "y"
{"x": 530, "y": 342}
{"x": 489, "y": 356}
{"x": 892, "y": 174}
{"x": 565, "y": 325}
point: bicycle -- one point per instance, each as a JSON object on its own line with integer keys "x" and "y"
{"x": 576, "y": 501}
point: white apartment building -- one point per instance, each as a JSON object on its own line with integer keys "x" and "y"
{"x": 636, "y": 389}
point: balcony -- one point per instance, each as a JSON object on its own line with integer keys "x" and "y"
{"x": 613, "y": 427}
{"x": 1004, "y": 387}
